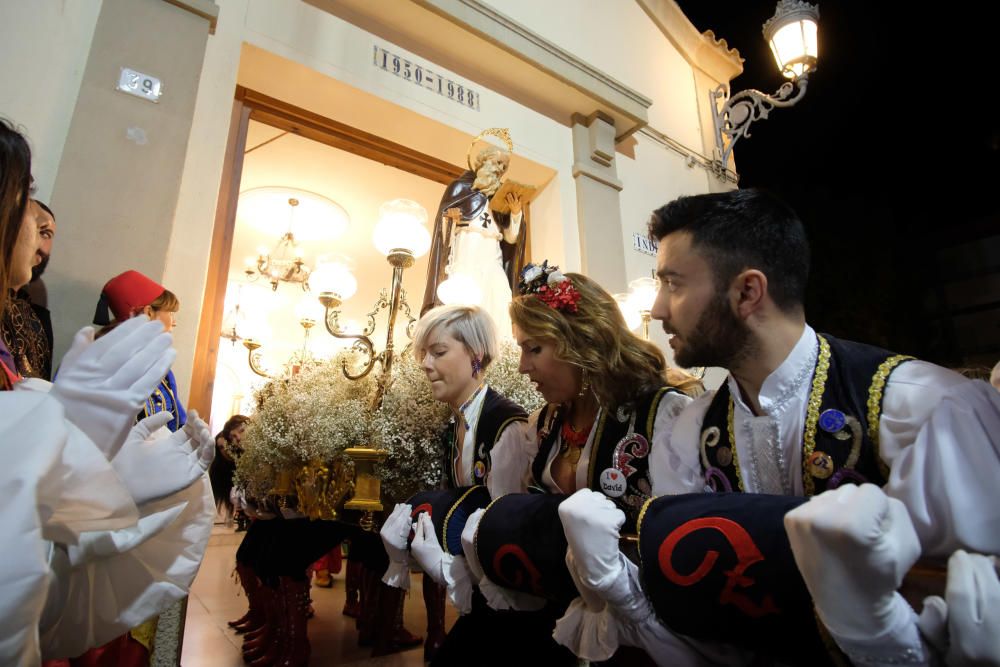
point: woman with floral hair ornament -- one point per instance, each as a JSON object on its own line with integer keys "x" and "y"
{"x": 610, "y": 398}
{"x": 454, "y": 346}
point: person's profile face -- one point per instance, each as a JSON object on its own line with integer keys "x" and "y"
{"x": 25, "y": 255}
{"x": 556, "y": 380}
{"x": 696, "y": 314}
{"x": 448, "y": 365}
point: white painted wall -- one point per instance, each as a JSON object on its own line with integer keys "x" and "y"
{"x": 323, "y": 44}
{"x": 43, "y": 48}
{"x": 616, "y": 37}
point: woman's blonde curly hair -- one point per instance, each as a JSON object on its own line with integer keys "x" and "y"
{"x": 620, "y": 366}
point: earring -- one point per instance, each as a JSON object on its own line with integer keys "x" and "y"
{"x": 477, "y": 367}
{"x": 584, "y": 385}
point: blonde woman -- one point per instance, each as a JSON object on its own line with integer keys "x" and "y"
{"x": 455, "y": 345}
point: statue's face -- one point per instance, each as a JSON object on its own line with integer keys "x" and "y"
{"x": 492, "y": 160}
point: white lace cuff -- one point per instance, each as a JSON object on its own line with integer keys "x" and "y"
{"x": 397, "y": 575}
{"x": 460, "y": 585}
{"x": 900, "y": 644}
{"x": 589, "y": 633}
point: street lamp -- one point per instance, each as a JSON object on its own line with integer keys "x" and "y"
{"x": 792, "y": 35}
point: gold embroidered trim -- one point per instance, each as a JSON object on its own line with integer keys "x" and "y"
{"x": 654, "y": 408}
{"x": 875, "y": 404}
{"x": 447, "y": 517}
{"x": 594, "y": 446}
{"x": 812, "y": 412}
{"x": 638, "y": 525}
{"x": 475, "y": 539}
{"x": 732, "y": 443}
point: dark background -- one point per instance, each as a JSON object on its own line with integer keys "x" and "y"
{"x": 892, "y": 160}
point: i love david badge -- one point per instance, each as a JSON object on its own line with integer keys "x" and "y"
{"x": 613, "y": 483}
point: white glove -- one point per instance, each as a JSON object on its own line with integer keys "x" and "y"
{"x": 592, "y": 524}
{"x": 427, "y": 551}
{"x": 966, "y": 628}
{"x": 103, "y": 383}
{"x": 154, "y": 466}
{"x": 852, "y": 546}
{"x": 394, "y": 532}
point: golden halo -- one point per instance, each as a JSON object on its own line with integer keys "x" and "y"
{"x": 501, "y": 133}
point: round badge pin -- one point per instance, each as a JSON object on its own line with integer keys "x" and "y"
{"x": 479, "y": 470}
{"x": 820, "y": 465}
{"x": 832, "y": 420}
{"x": 613, "y": 483}
{"x": 724, "y": 455}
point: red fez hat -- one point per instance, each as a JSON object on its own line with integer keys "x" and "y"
{"x": 124, "y": 294}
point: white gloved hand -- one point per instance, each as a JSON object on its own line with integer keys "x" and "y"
{"x": 427, "y": 551}
{"x": 966, "y": 627}
{"x": 153, "y": 465}
{"x": 394, "y": 532}
{"x": 103, "y": 383}
{"x": 592, "y": 524}
{"x": 852, "y": 546}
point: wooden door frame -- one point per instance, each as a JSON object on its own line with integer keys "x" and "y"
{"x": 252, "y": 105}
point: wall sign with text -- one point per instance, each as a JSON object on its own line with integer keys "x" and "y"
{"x": 643, "y": 244}
{"x": 425, "y": 78}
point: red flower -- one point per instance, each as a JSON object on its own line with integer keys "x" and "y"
{"x": 562, "y": 296}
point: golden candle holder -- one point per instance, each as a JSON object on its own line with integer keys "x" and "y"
{"x": 367, "y": 486}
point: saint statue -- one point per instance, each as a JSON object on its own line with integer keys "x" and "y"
{"x": 475, "y": 248}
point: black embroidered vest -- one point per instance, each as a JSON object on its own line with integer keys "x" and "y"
{"x": 841, "y": 432}
{"x": 621, "y": 447}
{"x": 496, "y": 415}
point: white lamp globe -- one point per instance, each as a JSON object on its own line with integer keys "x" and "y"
{"x": 402, "y": 229}
{"x": 309, "y": 309}
{"x": 642, "y": 293}
{"x": 460, "y": 288}
{"x": 631, "y": 314}
{"x": 333, "y": 278}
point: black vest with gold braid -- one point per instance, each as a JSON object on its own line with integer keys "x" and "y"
{"x": 841, "y": 432}
{"x": 619, "y": 457}
{"x": 496, "y": 415}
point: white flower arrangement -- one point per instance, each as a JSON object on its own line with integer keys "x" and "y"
{"x": 318, "y": 413}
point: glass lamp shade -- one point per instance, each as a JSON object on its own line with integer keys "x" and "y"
{"x": 402, "y": 227}
{"x": 459, "y": 288}
{"x": 255, "y": 328}
{"x": 642, "y": 293}
{"x": 333, "y": 277}
{"x": 792, "y": 35}
{"x": 314, "y": 218}
{"x": 631, "y": 315}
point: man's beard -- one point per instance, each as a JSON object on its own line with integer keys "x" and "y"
{"x": 718, "y": 339}
{"x": 38, "y": 269}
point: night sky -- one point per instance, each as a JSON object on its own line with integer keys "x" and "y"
{"x": 892, "y": 156}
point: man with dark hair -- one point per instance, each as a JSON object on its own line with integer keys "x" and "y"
{"x": 802, "y": 412}
{"x": 26, "y": 325}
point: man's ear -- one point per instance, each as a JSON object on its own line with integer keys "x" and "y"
{"x": 749, "y": 290}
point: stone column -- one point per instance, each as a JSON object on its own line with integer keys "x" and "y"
{"x": 117, "y": 184}
{"x": 598, "y": 204}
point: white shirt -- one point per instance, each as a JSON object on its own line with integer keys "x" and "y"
{"x": 513, "y": 432}
{"x": 956, "y": 469}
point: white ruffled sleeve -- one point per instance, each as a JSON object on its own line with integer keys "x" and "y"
{"x": 54, "y": 484}
{"x": 511, "y": 458}
{"x": 948, "y": 477}
{"x": 674, "y": 466}
{"x": 113, "y": 582}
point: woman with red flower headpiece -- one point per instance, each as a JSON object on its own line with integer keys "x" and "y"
{"x": 610, "y": 398}
{"x": 610, "y": 394}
